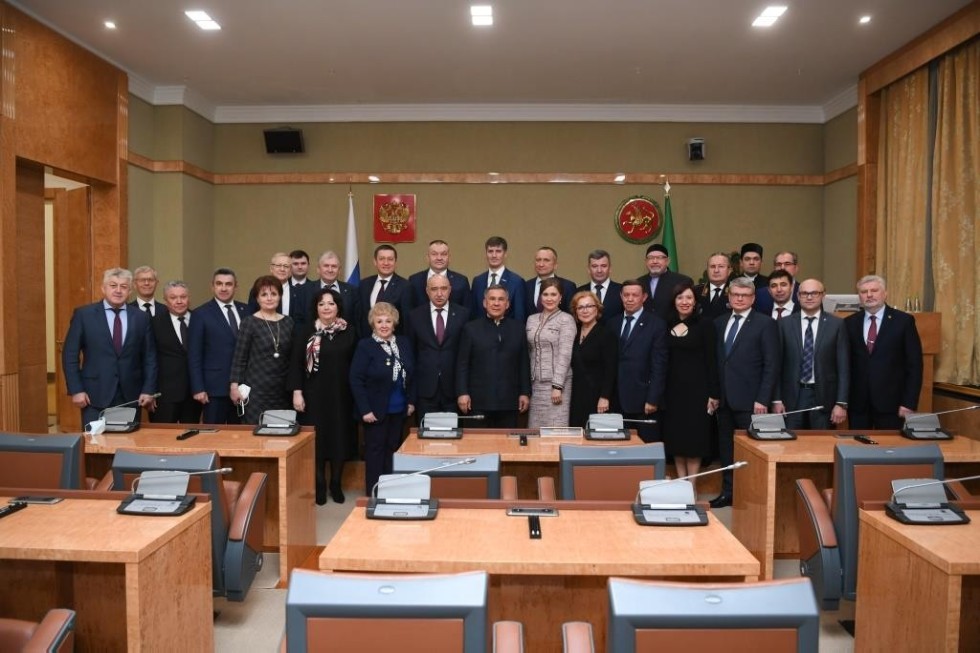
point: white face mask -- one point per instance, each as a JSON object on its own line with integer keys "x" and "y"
{"x": 95, "y": 427}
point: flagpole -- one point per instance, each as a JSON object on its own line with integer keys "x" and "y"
{"x": 669, "y": 241}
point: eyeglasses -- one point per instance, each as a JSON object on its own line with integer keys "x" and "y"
{"x": 281, "y": 266}
{"x": 656, "y": 257}
{"x": 585, "y": 307}
{"x": 741, "y": 295}
{"x": 809, "y": 294}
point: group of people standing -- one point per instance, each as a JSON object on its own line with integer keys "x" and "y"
{"x": 667, "y": 354}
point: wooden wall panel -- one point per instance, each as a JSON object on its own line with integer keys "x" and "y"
{"x": 31, "y": 327}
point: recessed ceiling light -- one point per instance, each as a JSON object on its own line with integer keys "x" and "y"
{"x": 203, "y": 20}
{"x": 109, "y": 24}
{"x": 481, "y": 15}
{"x": 208, "y": 25}
{"x": 864, "y": 20}
{"x": 769, "y": 16}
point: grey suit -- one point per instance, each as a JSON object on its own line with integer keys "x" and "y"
{"x": 831, "y": 370}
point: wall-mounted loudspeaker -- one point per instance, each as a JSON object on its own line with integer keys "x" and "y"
{"x": 284, "y": 141}
{"x": 695, "y": 149}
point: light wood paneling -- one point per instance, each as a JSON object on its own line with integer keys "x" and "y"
{"x": 31, "y": 332}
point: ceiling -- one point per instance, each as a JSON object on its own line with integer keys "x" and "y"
{"x": 283, "y": 58}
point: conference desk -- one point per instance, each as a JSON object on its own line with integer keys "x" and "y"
{"x": 541, "y": 583}
{"x": 290, "y": 518}
{"x": 539, "y": 457}
{"x": 136, "y": 583}
{"x": 919, "y": 586}
{"x": 764, "y": 506}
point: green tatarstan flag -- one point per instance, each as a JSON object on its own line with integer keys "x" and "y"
{"x": 669, "y": 242}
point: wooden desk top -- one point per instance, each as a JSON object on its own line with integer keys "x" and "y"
{"x": 88, "y": 530}
{"x": 953, "y": 549}
{"x": 576, "y": 542}
{"x": 539, "y": 449}
{"x": 818, "y": 446}
{"x": 236, "y": 441}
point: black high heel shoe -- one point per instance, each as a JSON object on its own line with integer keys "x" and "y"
{"x": 337, "y": 494}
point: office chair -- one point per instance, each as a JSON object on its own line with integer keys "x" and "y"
{"x": 604, "y": 473}
{"x": 479, "y": 480}
{"x": 237, "y": 512}
{"x": 43, "y": 462}
{"x": 828, "y": 522}
{"x": 430, "y": 613}
{"x": 664, "y": 617}
{"x": 54, "y": 634}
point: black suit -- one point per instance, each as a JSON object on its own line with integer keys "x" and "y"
{"x": 748, "y": 376}
{"x": 642, "y": 372}
{"x": 831, "y": 369}
{"x": 887, "y": 378}
{"x": 567, "y": 289}
{"x": 397, "y": 293}
{"x": 711, "y": 307}
{"x": 435, "y": 374}
{"x": 760, "y": 281}
{"x": 612, "y": 303}
{"x": 158, "y": 307}
{"x": 493, "y": 368}
{"x": 176, "y": 403}
{"x": 764, "y": 302}
{"x": 660, "y": 302}
{"x": 458, "y": 284}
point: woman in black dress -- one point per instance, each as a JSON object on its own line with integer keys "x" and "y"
{"x": 692, "y": 383}
{"x": 262, "y": 354}
{"x": 594, "y": 360}
{"x": 319, "y": 381}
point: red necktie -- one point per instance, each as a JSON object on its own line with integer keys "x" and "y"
{"x": 872, "y": 334}
{"x": 779, "y": 312}
{"x": 440, "y": 326}
{"x": 117, "y": 337}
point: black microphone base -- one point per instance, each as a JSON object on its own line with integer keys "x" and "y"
{"x": 121, "y": 428}
{"x": 430, "y": 434}
{"x": 784, "y": 434}
{"x": 381, "y": 509}
{"x": 621, "y": 434}
{"x": 941, "y": 515}
{"x": 926, "y": 434}
{"x": 687, "y": 516}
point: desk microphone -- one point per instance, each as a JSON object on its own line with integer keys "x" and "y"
{"x": 928, "y": 510}
{"x": 471, "y": 416}
{"x": 665, "y": 481}
{"x": 640, "y": 421}
{"x": 419, "y": 507}
{"x": 926, "y": 426}
{"x": 923, "y": 417}
{"x": 421, "y": 472}
{"x": 801, "y": 410}
{"x": 929, "y": 483}
{"x": 163, "y": 480}
{"x": 155, "y": 395}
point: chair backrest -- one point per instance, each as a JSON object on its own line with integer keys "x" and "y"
{"x": 42, "y": 461}
{"x": 863, "y": 473}
{"x": 663, "y": 617}
{"x": 128, "y": 465}
{"x": 434, "y": 613}
{"x": 608, "y": 473}
{"x": 478, "y": 480}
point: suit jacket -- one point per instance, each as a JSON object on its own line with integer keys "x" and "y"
{"x": 133, "y": 370}
{"x": 761, "y": 281}
{"x": 459, "y": 284}
{"x": 660, "y": 301}
{"x": 892, "y": 375}
{"x": 764, "y": 303}
{"x": 370, "y": 376}
{"x": 712, "y": 308}
{"x": 612, "y": 303}
{"x": 436, "y": 364}
{"x": 397, "y": 293}
{"x": 492, "y": 364}
{"x": 831, "y": 361}
{"x": 349, "y": 299}
{"x": 211, "y": 346}
{"x": 515, "y": 290}
{"x": 531, "y": 307}
{"x": 158, "y": 307}
{"x": 642, "y": 372}
{"x": 299, "y": 308}
{"x": 749, "y": 373}
{"x": 173, "y": 377}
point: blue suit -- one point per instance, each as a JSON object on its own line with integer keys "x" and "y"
{"x": 398, "y": 293}
{"x": 514, "y": 284}
{"x": 212, "y": 344}
{"x": 531, "y": 307}
{"x": 107, "y": 377}
{"x": 764, "y": 304}
{"x": 642, "y": 374}
{"x": 459, "y": 285}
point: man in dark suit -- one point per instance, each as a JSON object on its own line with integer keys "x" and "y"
{"x": 299, "y": 262}
{"x": 109, "y": 356}
{"x": 748, "y": 366}
{"x": 385, "y": 286}
{"x": 886, "y": 360}
{"x": 498, "y": 274}
{"x": 435, "y": 329}
{"x": 545, "y": 266}
{"x": 751, "y": 264}
{"x": 213, "y": 333}
{"x": 328, "y": 268}
{"x": 438, "y": 256}
{"x": 815, "y": 363}
{"x": 660, "y": 281}
{"x": 713, "y": 295}
{"x": 786, "y": 261}
{"x": 171, "y": 329}
{"x": 780, "y": 293}
{"x": 493, "y": 373}
{"x": 292, "y": 299}
{"x": 605, "y": 288}
{"x": 145, "y": 279}
{"x": 642, "y": 372}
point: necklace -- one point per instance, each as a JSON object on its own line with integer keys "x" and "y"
{"x": 275, "y": 338}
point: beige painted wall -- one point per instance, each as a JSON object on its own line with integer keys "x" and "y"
{"x": 840, "y": 205}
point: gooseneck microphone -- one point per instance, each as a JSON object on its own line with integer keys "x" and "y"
{"x": 394, "y": 480}
{"x": 938, "y": 481}
{"x": 665, "y": 481}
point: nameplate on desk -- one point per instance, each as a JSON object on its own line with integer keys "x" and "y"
{"x": 560, "y": 431}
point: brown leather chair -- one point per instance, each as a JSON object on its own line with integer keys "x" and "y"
{"x": 237, "y": 514}
{"x": 54, "y": 634}
{"x": 604, "y": 473}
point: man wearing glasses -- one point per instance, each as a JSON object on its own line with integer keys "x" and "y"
{"x": 816, "y": 366}
{"x": 660, "y": 281}
{"x": 748, "y": 366}
{"x": 292, "y": 300}
{"x": 789, "y": 262}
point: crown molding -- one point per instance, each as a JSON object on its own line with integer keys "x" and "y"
{"x": 843, "y": 101}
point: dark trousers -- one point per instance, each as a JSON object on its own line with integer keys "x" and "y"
{"x": 494, "y": 419}
{"x": 872, "y": 420}
{"x": 187, "y": 411}
{"x": 728, "y": 421}
{"x": 436, "y": 404}
{"x": 381, "y": 441}
{"x": 91, "y": 413}
{"x": 815, "y": 419}
{"x": 220, "y": 410}
{"x": 647, "y": 432}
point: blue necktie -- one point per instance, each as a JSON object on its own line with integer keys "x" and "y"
{"x": 627, "y": 326}
{"x": 807, "y": 352}
{"x": 730, "y": 338}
